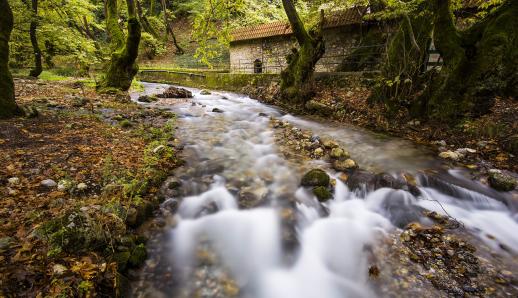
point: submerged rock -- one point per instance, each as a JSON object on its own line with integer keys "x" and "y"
{"x": 175, "y": 92}
{"x": 315, "y": 177}
{"x": 217, "y": 110}
{"x": 501, "y": 181}
{"x": 205, "y": 92}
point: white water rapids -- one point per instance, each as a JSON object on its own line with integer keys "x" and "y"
{"x": 233, "y": 152}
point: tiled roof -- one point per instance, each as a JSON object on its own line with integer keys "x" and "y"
{"x": 263, "y": 30}
{"x": 279, "y": 28}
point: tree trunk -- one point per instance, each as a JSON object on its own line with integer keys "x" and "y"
{"x": 8, "y": 106}
{"x": 301, "y": 63}
{"x": 38, "y": 67}
{"x": 169, "y": 29}
{"x": 122, "y": 67}
{"x": 144, "y": 22}
{"x": 479, "y": 64}
{"x": 405, "y": 60}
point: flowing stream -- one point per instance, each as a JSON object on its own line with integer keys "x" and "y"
{"x": 289, "y": 245}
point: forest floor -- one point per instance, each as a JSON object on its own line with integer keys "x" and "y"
{"x": 75, "y": 180}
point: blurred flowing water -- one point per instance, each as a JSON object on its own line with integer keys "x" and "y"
{"x": 231, "y": 155}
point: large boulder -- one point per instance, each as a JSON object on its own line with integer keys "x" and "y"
{"x": 175, "y": 92}
{"x": 315, "y": 177}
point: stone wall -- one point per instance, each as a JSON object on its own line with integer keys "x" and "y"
{"x": 209, "y": 80}
{"x": 272, "y": 51}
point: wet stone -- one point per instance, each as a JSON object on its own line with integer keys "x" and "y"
{"x": 315, "y": 177}
{"x": 175, "y": 92}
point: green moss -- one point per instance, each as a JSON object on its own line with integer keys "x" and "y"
{"x": 322, "y": 193}
{"x": 122, "y": 258}
{"x": 48, "y": 75}
{"x": 221, "y": 81}
{"x": 138, "y": 256}
{"x": 122, "y": 67}
{"x": 502, "y": 182}
{"x": 315, "y": 177}
{"x": 125, "y": 123}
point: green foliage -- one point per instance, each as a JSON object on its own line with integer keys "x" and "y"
{"x": 62, "y": 27}
{"x": 51, "y": 76}
{"x": 150, "y": 46}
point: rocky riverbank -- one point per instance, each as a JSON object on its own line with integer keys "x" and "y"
{"x": 429, "y": 255}
{"x": 485, "y": 146}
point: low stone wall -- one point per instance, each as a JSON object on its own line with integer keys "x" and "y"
{"x": 238, "y": 81}
{"x": 223, "y": 81}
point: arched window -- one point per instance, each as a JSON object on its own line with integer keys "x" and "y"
{"x": 258, "y": 66}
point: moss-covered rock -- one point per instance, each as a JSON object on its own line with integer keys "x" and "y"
{"x": 138, "y": 255}
{"x": 501, "y": 181}
{"x": 339, "y": 153}
{"x": 344, "y": 165}
{"x": 315, "y": 177}
{"x": 122, "y": 258}
{"x": 322, "y": 193}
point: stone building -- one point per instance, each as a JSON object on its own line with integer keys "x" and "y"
{"x": 263, "y": 48}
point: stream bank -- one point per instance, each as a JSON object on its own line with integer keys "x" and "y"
{"x": 237, "y": 222}
{"x": 344, "y": 97}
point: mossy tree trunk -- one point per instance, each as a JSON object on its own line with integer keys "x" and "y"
{"x": 295, "y": 79}
{"x": 38, "y": 66}
{"x": 479, "y": 63}
{"x": 169, "y": 29}
{"x": 405, "y": 59}
{"x": 122, "y": 67}
{"x": 8, "y": 106}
